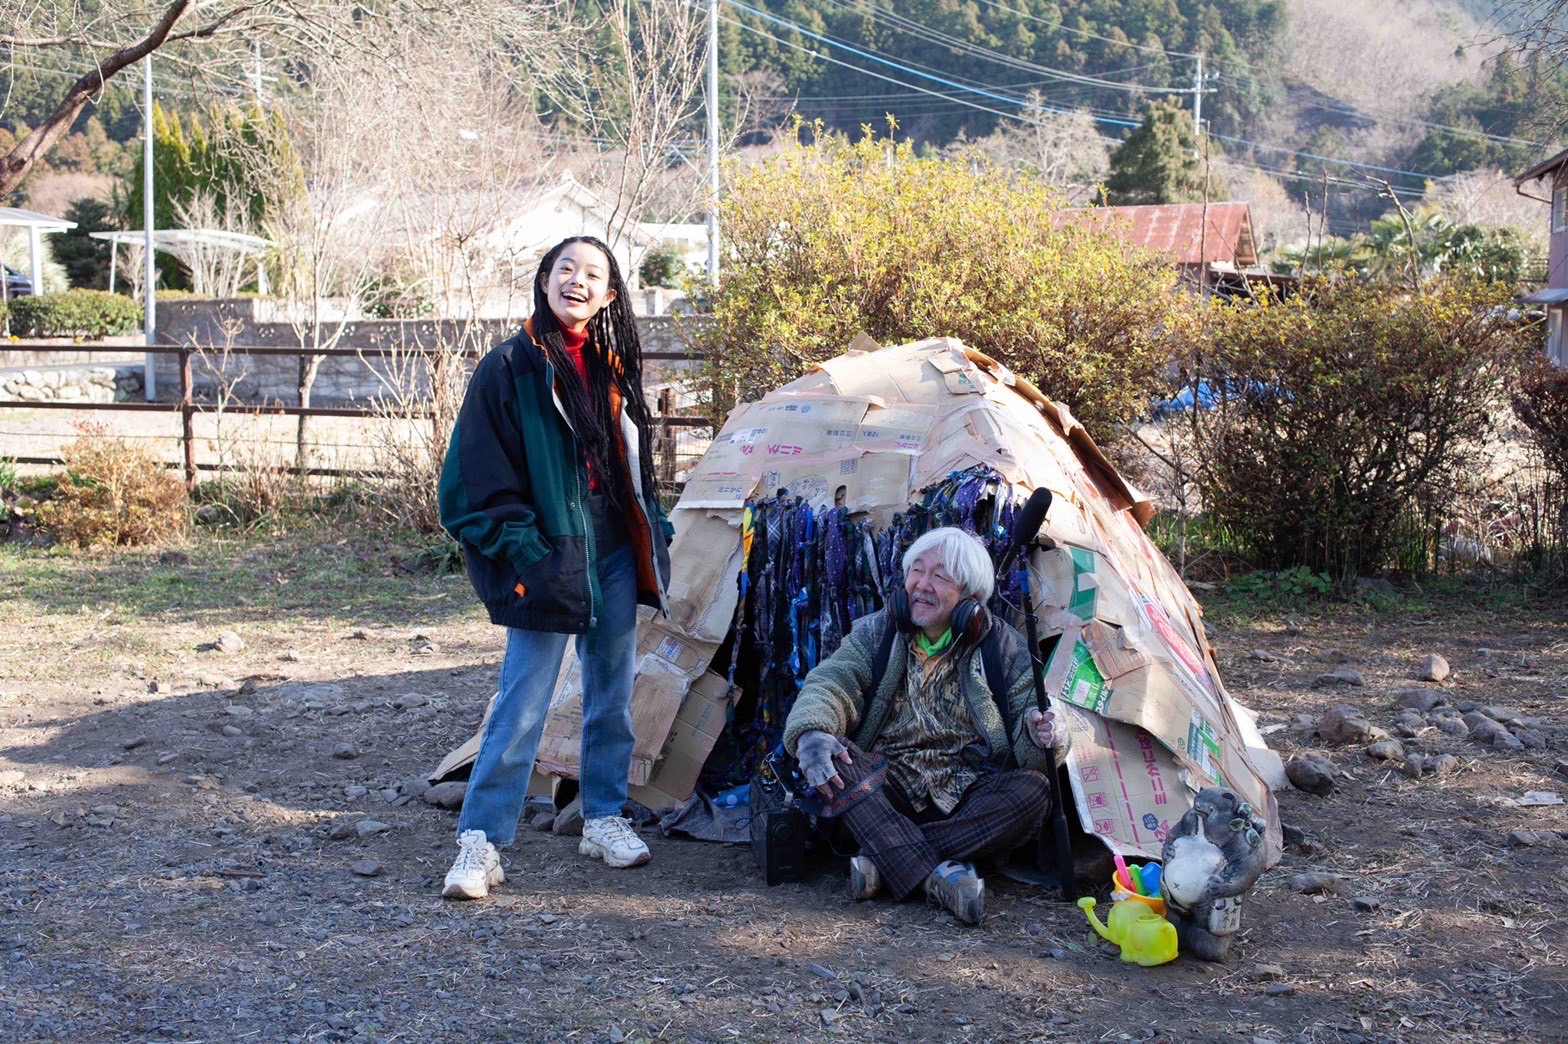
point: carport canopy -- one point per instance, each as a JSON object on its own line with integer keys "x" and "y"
{"x": 37, "y": 225}
{"x": 182, "y": 242}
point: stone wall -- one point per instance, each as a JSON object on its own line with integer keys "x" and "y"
{"x": 73, "y": 384}
{"x": 342, "y": 380}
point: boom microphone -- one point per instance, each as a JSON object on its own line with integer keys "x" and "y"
{"x": 1026, "y": 526}
{"x": 1031, "y": 517}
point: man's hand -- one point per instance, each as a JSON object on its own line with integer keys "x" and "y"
{"x": 816, "y": 751}
{"x": 1044, "y": 729}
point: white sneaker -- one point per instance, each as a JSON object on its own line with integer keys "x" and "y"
{"x": 478, "y": 867}
{"x": 613, "y": 840}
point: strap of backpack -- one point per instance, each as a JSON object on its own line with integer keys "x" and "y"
{"x": 996, "y": 677}
{"x": 879, "y": 665}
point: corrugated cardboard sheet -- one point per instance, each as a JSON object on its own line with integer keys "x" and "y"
{"x": 1152, "y": 720}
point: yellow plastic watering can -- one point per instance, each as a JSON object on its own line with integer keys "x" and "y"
{"x": 1144, "y": 936}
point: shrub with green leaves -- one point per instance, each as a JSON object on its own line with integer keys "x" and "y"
{"x": 663, "y": 266}
{"x": 824, "y": 241}
{"x": 1344, "y": 410}
{"x": 74, "y": 313}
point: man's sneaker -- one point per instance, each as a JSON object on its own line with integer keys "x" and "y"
{"x": 865, "y": 880}
{"x": 957, "y": 887}
{"x": 613, "y": 840}
{"x": 478, "y": 867}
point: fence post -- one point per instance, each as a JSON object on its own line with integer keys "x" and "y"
{"x": 187, "y": 416}
{"x": 666, "y": 439}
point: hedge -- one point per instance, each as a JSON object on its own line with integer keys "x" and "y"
{"x": 74, "y": 313}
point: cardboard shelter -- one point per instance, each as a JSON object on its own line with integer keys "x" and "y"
{"x": 1151, "y": 719}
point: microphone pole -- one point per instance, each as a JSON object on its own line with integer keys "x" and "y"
{"x": 1025, "y": 528}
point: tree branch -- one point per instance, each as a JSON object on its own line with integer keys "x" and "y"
{"x": 15, "y": 165}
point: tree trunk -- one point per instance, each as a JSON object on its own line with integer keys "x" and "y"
{"x": 309, "y": 367}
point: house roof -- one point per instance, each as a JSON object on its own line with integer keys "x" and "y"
{"x": 1189, "y": 233}
{"x": 1543, "y": 168}
{"x": 25, "y": 218}
{"x": 174, "y": 240}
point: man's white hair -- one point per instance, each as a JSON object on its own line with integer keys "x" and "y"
{"x": 963, "y": 556}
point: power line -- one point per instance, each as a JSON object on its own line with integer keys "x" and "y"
{"x": 983, "y": 92}
{"x": 1008, "y": 99}
{"x": 923, "y": 32}
{"x": 936, "y": 36}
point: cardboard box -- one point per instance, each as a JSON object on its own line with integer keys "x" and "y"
{"x": 667, "y": 663}
{"x": 1127, "y": 787}
{"x": 691, "y": 738}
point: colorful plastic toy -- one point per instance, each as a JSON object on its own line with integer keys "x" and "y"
{"x": 1144, "y": 936}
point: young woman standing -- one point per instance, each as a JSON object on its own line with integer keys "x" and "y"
{"x": 548, "y": 486}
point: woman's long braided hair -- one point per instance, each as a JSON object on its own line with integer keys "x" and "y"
{"x": 612, "y": 331}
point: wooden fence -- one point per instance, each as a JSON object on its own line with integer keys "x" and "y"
{"x": 676, "y": 436}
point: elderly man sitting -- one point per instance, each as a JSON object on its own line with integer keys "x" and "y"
{"x": 964, "y": 778}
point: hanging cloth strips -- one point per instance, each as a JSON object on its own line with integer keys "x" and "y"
{"x": 812, "y": 573}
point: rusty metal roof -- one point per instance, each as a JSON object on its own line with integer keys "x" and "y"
{"x": 1541, "y": 169}
{"x": 1189, "y": 233}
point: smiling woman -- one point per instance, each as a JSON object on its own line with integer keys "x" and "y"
{"x": 547, "y": 487}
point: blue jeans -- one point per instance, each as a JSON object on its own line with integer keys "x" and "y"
{"x": 498, "y": 784}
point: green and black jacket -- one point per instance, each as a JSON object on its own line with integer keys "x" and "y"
{"x": 514, "y": 493}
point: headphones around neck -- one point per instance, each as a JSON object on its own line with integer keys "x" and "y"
{"x": 971, "y": 620}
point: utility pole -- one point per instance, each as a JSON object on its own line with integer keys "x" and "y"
{"x": 713, "y": 143}
{"x": 150, "y": 271}
{"x": 257, "y": 76}
{"x": 1197, "y": 98}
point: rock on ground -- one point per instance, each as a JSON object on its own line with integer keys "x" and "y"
{"x": 446, "y": 795}
{"x": 1344, "y": 724}
{"x": 1311, "y": 773}
{"x": 1434, "y": 668}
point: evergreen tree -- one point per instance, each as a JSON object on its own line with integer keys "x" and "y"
{"x": 1161, "y": 162}
{"x": 242, "y": 160}
{"x": 171, "y": 180}
{"x": 1515, "y": 102}
{"x": 86, "y": 260}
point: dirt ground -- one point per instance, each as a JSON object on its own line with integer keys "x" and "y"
{"x": 198, "y": 844}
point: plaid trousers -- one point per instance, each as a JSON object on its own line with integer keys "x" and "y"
{"x": 999, "y": 812}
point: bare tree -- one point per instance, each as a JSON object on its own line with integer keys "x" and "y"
{"x": 212, "y": 40}
{"x": 641, "y": 94}
{"x": 1541, "y": 33}
{"x": 216, "y": 270}
{"x": 1063, "y": 148}
{"x": 409, "y": 173}
{"x": 1542, "y": 28}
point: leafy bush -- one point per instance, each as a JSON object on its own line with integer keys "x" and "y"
{"x": 1343, "y": 411}
{"x": 112, "y": 494}
{"x": 662, "y": 266}
{"x": 825, "y": 241}
{"x": 75, "y": 313}
{"x": 1283, "y": 585}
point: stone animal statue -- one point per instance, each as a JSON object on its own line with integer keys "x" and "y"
{"x": 1213, "y": 855}
{"x": 1144, "y": 936}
